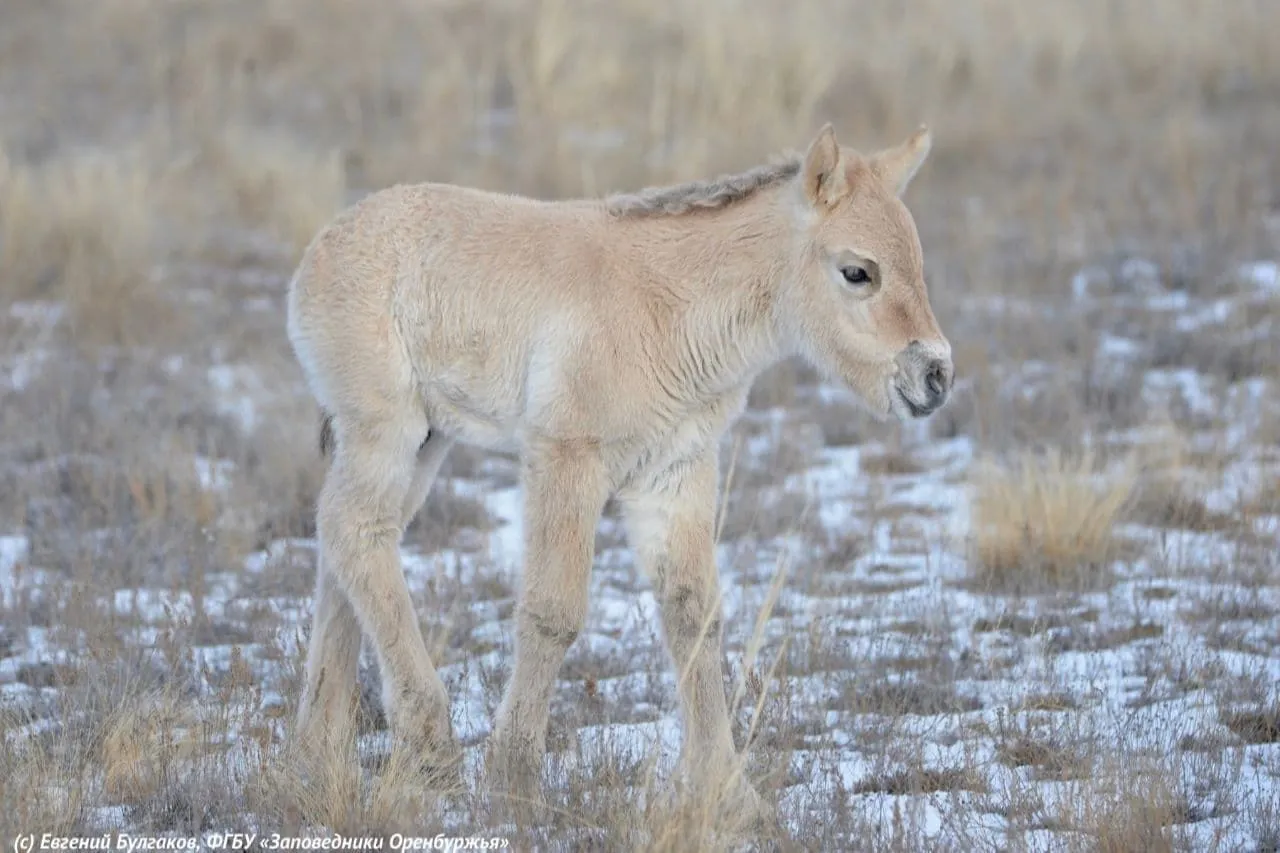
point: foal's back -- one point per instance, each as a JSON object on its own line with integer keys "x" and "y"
{"x": 439, "y": 237}
{"x": 497, "y": 310}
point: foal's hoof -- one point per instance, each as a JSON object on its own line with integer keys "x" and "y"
{"x": 735, "y": 802}
{"x": 318, "y": 756}
{"x": 443, "y": 766}
{"x": 514, "y": 778}
{"x": 437, "y": 765}
{"x": 749, "y": 807}
{"x": 423, "y": 741}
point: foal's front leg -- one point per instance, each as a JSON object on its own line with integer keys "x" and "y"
{"x": 565, "y": 489}
{"x": 670, "y": 526}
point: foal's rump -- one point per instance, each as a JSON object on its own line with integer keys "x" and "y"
{"x": 437, "y": 296}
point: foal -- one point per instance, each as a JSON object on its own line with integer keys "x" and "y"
{"x": 610, "y": 343}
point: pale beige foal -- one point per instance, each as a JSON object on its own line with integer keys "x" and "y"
{"x": 610, "y": 343}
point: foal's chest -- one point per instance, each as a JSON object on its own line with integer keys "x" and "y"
{"x": 687, "y": 435}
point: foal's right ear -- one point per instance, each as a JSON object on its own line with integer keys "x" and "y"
{"x": 825, "y": 178}
{"x": 898, "y": 165}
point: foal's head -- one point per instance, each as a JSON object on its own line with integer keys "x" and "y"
{"x": 856, "y": 305}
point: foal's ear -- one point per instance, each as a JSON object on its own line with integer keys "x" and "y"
{"x": 898, "y": 165}
{"x": 825, "y": 179}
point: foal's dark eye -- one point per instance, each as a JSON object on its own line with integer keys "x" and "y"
{"x": 855, "y": 275}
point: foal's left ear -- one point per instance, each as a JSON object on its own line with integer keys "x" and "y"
{"x": 898, "y": 165}
{"x": 823, "y": 173}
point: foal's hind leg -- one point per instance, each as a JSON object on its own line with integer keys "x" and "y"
{"x": 326, "y": 713}
{"x": 360, "y": 522}
{"x": 431, "y": 456}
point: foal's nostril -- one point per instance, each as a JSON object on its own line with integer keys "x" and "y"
{"x": 935, "y": 379}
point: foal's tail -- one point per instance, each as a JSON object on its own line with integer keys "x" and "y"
{"x": 327, "y": 437}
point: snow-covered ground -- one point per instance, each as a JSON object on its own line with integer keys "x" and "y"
{"x": 893, "y": 688}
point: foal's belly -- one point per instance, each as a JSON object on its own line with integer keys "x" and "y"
{"x": 471, "y": 417}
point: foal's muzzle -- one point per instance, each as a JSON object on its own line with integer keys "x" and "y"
{"x": 924, "y": 378}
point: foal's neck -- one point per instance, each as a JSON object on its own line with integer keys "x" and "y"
{"x": 726, "y": 268}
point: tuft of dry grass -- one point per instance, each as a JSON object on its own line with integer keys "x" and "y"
{"x": 1262, "y": 726}
{"x": 1170, "y": 474}
{"x": 79, "y": 230}
{"x": 1129, "y": 813}
{"x": 1049, "y": 751}
{"x": 1046, "y": 520}
{"x": 695, "y": 823}
{"x": 921, "y": 780}
{"x": 41, "y": 779}
{"x": 274, "y": 183}
{"x": 922, "y": 697}
{"x": 328, "y": 790}
{"x": 143, "y": 743}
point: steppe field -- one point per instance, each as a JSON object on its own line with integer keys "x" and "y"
{"x": 1048, "y": 618}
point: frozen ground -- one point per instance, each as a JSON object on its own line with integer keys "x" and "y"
{"x": 894, "y": 688}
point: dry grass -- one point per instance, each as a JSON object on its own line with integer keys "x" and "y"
{"x": 140, "y": 746}
{"x": 275, "y": 184}
{"x": 79, "y": 231}
{"x": 1048, "y": 751}
{"x": 1131, "y": 811}
{"x": 329, "y": 791}
{"x": 918, "y": 780}
{"x": 33, "y": 788}
{"x": 165, "y": 163}
{"x": 1047, "y": 520}
{"x": 1171, "y": 479}
{"x": 1256, "y": 726}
